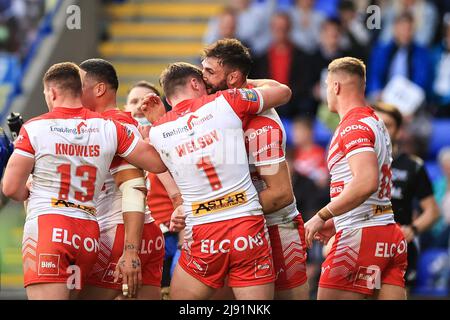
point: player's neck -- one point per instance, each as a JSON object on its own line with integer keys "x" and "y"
{"x": 111, "y": 105}
{"x": 69, "y": 103}
{"x": 346, "y": 105}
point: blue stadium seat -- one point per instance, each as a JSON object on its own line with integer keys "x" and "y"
{"x": 440, "y": 137}
{"x": 433, "y": 273}
{"x": 322, "y": 135}
{"x": 434, "y": 170}
{"x": 9, "y": 68}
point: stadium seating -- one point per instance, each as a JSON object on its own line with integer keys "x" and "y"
{"x": 433, "y": 273}
{"x": 146, "y": 36}
{"x": 440, "y": 137}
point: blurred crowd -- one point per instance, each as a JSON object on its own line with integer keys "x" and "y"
{"x": 19, "y": 22}
{"x": 406, "y": 47}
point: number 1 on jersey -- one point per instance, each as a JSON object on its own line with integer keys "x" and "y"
{"x": 206, "y": 165}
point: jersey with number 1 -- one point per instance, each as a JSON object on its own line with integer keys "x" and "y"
{"x": 73, "y": 150}
{"x": 202, "y": 144}
{"x": 360, "y": 130}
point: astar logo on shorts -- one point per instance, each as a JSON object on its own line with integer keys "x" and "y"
{"x": 108, "y": 275}
{"x": 263, "y": 268}
{"x": 227, "y": 201}
{"x": 48, "y": 264}
{"x": 198, "y": 266}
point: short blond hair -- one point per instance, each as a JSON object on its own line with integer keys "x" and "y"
{"x": 348, "y": 65}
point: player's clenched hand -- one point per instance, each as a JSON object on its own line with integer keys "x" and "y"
{"x": 129, "y": 269}
{"x": 149, "y": 102}
{"x": 311, "y": 228}
{"x": 178, "y": 220}
{"x": 328, "y": 231}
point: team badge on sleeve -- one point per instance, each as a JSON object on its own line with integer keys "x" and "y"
{"x": 249, "y": 94}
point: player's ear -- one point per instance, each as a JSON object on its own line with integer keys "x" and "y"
{"x": 195, "y": 84}
{"x": 100, "y": 89}
{"x": 53, "y": 93}
{"x": 233, "y": 79}
{"x": 337, "y": 87}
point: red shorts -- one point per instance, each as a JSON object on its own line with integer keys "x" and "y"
{"x": 289, "y": 253}
{"x": 59, "y": 249}
{"x": 361, "y": 260}
{"x": 111, "y": 249}
{"x": 237, "y": 248}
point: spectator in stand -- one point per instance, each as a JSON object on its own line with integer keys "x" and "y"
{"x": 425, "y": 15}
{"x": 441, "y": 82}
{"x": 355, "y": 35}
{"x": 251, "y": 23}
{"x": 226, "y": 26}
{"x": 441, "y": 231}
{"x": 309, "y": 159}
{"x": 306, "y": 24}
{"x": 328, "y": 50}
{"x": 288, "y": 64}
{"x": 400, "y": 57}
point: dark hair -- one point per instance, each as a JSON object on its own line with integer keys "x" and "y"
{"x": 331, "y": 21}
{"x": 176, "y": 75}
{"x": 405, "y": 15}
{"x": 347, "y": 5}
{"x": 391, "y": 111}
{"x": 308, "y": 122}
{"x": 231, "y": 53}
{"x": 66, "y": 76}
{"x": 101, "y": 70}
{"x": 284, "y": 15}
{"x": 145, "y": 84}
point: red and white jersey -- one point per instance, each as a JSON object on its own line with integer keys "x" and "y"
{"x": 109, "y": 204}
{"x": 73, "y": 150}
{"x": 361, "y": 131}
{"x": 202, "y": 144}
{"x": 265, "y": 140}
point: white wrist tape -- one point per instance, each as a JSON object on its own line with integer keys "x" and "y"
{"x": 133, "y": 199}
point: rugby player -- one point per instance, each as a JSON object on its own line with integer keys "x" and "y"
{"x": 68, "y": 151}
{"x": 163, "y": 194}
{"x": 368, "y": 257}
{"x": 226, "y": 65}
{"x": 202, "y": 144}
{"x": 410, "y": 184}
{"x": 130, "y": 242}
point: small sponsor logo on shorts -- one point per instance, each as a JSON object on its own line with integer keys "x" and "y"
{"x": 48, "y": 264}
{"x": 368, "y": 277}
{"x": 108, "y": 275}
{"x": 263, "y": 267}
{"x": 227, "y": 201}
{"x": 199, "y": 266}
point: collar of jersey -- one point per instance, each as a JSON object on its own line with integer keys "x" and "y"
{"x": 183, "y": 107}
{"x": 365, "y": 109}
